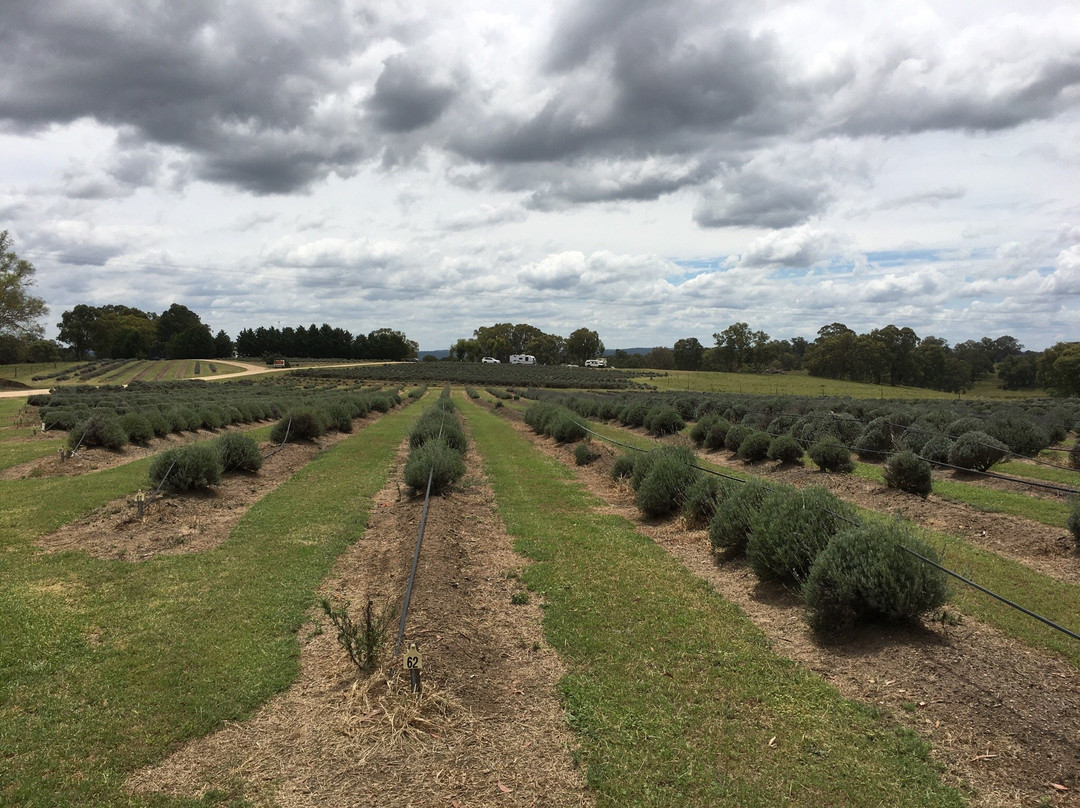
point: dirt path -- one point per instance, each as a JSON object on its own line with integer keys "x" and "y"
{"x": 487, "y": 729}
{"x": 1004, "y": 720}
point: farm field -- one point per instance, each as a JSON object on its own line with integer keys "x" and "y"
{"x": 801, "y": 383}
{"x": 146, "y": 658}
{"x": 54, "y": 374}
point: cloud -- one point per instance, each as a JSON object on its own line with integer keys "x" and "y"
{"x": 799, "y": 247}
{"x": 245, "y": 90}
{"x": 753, "y": 198}
{"x": 932, "y": 197}
{"x": 406, "y": 98}
{"x": 485, "y": 216}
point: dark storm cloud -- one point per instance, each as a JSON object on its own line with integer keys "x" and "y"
{"x": 644, "y": 87}
{"x": 191, "y": 75}
{"x": 893, "y": 104}
{"x": 754, "y": 199}
{"x": 406, "y": 98}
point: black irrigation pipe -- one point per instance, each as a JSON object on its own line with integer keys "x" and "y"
{"x": 416, "y": 551}
{"x": 906, "y": 549}
{"x": 278, "y": 448}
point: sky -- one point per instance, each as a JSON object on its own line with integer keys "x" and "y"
{"x": 649, "y": 169}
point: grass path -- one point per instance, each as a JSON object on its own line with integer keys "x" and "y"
{"x": 107, "y": 666}
{"x": 674, "y": 693}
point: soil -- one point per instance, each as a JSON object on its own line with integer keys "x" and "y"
{"x": 1003, "y": 719}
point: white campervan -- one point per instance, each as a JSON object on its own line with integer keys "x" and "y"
{"x": 522, "y": 359}
{"x": 596, "y": 363}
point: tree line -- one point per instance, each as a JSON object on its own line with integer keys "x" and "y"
{"x": 503, "y": 340}
{"x": 325, "y": 342}
{"x": 890, "y": 355}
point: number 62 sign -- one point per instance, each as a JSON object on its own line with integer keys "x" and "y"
{"x": 413, "y": 660}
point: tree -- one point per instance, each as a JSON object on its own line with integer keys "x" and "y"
{"x": 223, "y": 346}
{"x": 660, "y": 358}
{"x": 688, "y": 353}
{"x": 1018, "y": 372}
{"x": 466, "y": 350}
{"x": 195, "y": 343}
{"x": 385, "y": 343}
{"x": 582, "y": 345}
{"x": 76, "y": 329}
{"x": 548, "y": 349}
{"x": 19, "y": 310}
{"x": 176, "y": 320}
{"x": 1059, "y": 369}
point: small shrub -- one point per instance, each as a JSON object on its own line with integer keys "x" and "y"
{"x": 936, "y": 450}
{"x": 101, "y": 429}
{"x": 439, "y": 424}
{"x": 701, "y": 428}
{"x": 977, "y": 451}
{"x": 968, "y": 423}
{"x": 1018, "y": 432}
{"x": 623, "y": 467}
{"x": 643, "y": 461}
{"x": 909, "y": 472}
{"x": 701, "y": 499}
{"x": 662, "y": 490}
{"x": 633, "y": 414}
{"x": 664, "y": 420}
{"x": 435, "y": 458}
{"x": 565, "y": 427}
{"x": 735, "y": 436}
{"x": 729, "y": 527}
{"x": 790, "y": 529}
{"x": 239, "y": 452}
{"x": 339, "y": 417}
{"x": 865, "y": 574}
{"x": 520, "y": 598}
{"x": 197, "y": 465}
{"x": 1074, "y": 455}
{"x": 1073, "y": 520}
{"x": 785, "y": 449}
{"x": 138, "y": 427}
{"x": 363, "y": 643}
{"x": 584, "y": 454}
{"x": 716, "y": 437}
{"x": 829, "y": 454}
{"x": 876, "y": 440}
{"x": 755, "y": 446}
{"x": 298, "y": 425}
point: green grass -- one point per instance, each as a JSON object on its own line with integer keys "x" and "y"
{"x": 676, "y": 698}
{"x": 801, "y": 383}
{"x": 106, "y": 666}
{"x": 793, "y": 383}
{"x": 24, "y": 373}
{"x": 1035, "y": 471}
{"x": 1052, "y": 512}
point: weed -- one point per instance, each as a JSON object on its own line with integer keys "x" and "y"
{"x": 362, "y": 643}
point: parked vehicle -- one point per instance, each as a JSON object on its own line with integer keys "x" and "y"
{"x": 522, "y": 359}
{"x": 490, "y": 360}
{"x": 596, "y": 363}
